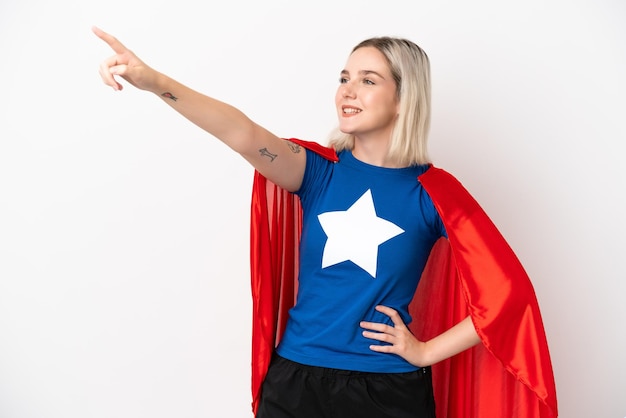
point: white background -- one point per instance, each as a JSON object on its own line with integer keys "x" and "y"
{"x": 124, "y": 228}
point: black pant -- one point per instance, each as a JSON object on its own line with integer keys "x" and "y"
{"x": 293, "y": 390}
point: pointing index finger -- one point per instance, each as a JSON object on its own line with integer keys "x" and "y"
{"x": 111, "y": 40}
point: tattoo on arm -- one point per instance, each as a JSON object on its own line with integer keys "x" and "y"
{"x": 169, "y": 95}
{"x": 265, "y": 153}
{"x": 295, "y": 148}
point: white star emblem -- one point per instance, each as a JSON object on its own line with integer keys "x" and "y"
{"x": 355, "y": 234}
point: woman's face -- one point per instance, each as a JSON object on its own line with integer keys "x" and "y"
{"x": 366, "y": 100}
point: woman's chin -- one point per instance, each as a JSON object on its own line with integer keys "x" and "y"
{"x": 345, "y": 130}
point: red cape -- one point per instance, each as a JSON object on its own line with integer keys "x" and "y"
{"x": 474, "y": 272}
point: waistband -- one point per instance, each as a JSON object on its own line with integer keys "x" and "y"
{"x": 329, "y": 372}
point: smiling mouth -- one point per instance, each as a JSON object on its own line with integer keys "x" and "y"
{"x": 350, "y": 111}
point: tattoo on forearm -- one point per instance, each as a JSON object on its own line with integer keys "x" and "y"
{"x": 169, "y": 95}
{"x": 265, "y": 153}
{"x": 295, "y": 148}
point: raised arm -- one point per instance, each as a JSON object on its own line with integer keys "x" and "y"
{"x": 280, "y": 161}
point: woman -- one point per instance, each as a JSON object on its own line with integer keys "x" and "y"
{"x": 368, "y": 228}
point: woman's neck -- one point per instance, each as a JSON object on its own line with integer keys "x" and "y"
{"x": 373, "y": 152}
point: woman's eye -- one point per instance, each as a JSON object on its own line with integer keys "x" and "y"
{"x": 343, "y": 80}
{"x": 368, "y": 81}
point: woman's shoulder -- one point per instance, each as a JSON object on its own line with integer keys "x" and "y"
{"x": 322, "y": 150}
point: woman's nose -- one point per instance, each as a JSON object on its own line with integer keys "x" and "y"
{"x": 347, "y": 90}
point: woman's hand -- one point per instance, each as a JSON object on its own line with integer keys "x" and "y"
{"x": 419, "y": 353}
{"x": 124, "y": 64}
{"x": 398, "y": 337}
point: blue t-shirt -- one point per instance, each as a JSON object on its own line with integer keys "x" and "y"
{"x": 367, "y": 233}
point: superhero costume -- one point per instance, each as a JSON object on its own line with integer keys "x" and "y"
{"x": 474, "y": 272}
{"x": 358, "y": 243}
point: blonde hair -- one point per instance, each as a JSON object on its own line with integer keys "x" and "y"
{"x": 410, "y": 69}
